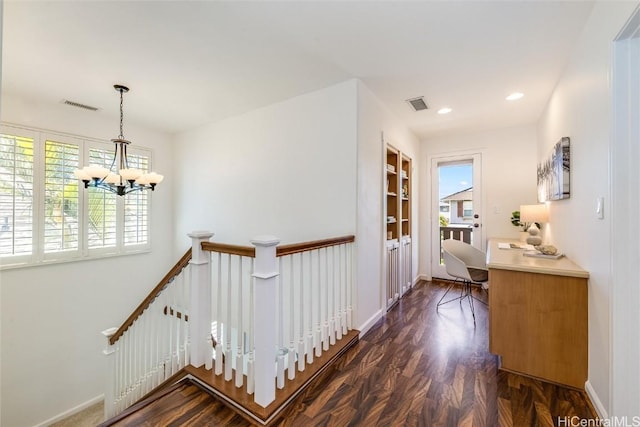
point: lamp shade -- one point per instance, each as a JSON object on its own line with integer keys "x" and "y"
{"x": 534, "y": 213}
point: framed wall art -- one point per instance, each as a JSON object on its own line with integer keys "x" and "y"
{"x": 554, "y": 173}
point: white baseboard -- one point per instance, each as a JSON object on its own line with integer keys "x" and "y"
{"x": 71, "y": 411}
{"x": 595, "y": 400}
{"x": 423, "y": 277}
{"x": 369, "y": 323}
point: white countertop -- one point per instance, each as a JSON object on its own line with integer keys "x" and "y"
{"x": 513, "y": 259}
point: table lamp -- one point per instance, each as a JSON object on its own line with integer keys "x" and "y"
{"x": 532, "y": 214}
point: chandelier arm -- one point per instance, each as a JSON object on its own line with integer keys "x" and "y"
{"x": 115, "y": 155}
{"x": 125, "y": 161}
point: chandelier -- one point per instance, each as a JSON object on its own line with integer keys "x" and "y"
{"x": 123, "y": 180}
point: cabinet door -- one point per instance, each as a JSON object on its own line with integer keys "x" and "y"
{"x": 392, "y": 279}
{"x": 538, "y": 325}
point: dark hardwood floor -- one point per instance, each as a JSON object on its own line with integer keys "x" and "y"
{"x": 416, "y": 367}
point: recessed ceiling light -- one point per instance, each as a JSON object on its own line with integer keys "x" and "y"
{"x": 514, "y": 96}
{"x": 445, "y": 110}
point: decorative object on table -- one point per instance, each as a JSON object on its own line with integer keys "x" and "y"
{"x": 538, "y": 254}
{"x": 547, "y": 249}
{"x": 534, "y": 214}
{"x": 554, "y": 173}
{"x": 515, "y": 221}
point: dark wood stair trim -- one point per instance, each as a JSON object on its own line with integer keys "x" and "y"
{"x": 243, "y": 404}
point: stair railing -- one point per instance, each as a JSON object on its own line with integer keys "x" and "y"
{"x": 152, "y": 344}
{"x": 240, "y": 309}
{"x": 314, "y": 301}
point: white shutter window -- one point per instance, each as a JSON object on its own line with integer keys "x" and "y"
{"x": 61, "y": 231}
{"x": 136, "y": 207}
{"x": 46, "y": 214}
{"x": 16, "y": 195}
{"x": 102, "y": 207}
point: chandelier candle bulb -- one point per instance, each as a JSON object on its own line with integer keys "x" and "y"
{"x": 155, "y": 178}
{"x": 130, "y": 174}
{"x": 82, "y": 175}
{"x": 112, "y": 178}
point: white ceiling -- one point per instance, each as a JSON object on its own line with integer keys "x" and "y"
{"x": 189, "y": 63}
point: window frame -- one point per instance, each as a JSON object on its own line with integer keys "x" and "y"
{"x": 38, "y": 255}
{"x": 467, "y": 213}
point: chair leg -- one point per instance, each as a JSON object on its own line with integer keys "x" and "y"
{"x": 466, "y": 291}
{"x": 462, "y": 294}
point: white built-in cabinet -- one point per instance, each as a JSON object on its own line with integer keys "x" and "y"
{"x": 397, "y": 200}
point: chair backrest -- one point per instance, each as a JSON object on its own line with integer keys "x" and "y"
{"x": 466, "y": 253}
{"x": 455, "y": 266}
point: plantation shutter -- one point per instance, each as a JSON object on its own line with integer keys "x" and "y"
{"x": 102, "y": 215}
{"x": 136, "y": 208}
{"x": 61, "y": 197}
{"x": 16, "y": 195}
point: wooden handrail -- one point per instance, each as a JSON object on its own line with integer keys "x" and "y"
{"x": 229, "y": 249}
{"x": 312, "y": 245}
{"x": 180, "y": 265}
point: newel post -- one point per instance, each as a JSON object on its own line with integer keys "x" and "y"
{"x": 200, "y": 312}
{"x": 265, "y": 273}
{"x": 110, "y": 392}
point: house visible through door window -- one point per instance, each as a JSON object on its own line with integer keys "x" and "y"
{"x": 467, "y": 208}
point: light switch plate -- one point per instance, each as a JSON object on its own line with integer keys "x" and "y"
{"x": 600, "y": 207}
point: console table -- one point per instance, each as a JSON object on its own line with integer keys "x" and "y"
{"x": 538, "y": 316}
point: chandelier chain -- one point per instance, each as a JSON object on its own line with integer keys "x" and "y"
{"x": 121, "y": 116}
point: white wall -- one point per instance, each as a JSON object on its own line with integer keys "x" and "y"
{"x": 580, "y": 108}
{"x": 373, "y": 120}
{"x": 286, "y": 170}
{"x": 508, "y": 179}
{"x": 52, "y": 316}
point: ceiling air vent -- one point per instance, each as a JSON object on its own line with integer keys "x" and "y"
{"x": 418, "y": 103}
{"x": 79, "y": 105}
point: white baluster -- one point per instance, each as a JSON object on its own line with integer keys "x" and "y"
{"x": 219, "y": 344}
{"x": 240, "y": 351}
{"x": 345, "y": 281}
{"x": 251, "y": 379}
{"x": 228, "y": 366}
{"x": 281, "y": 352}
{"x": 144, "y": 353}
{"x": 291, "y": 368}
{"x": 327, "y": 316}
{"x": 208, "y": 363}
{"x": 301, "y": 352}
{"x": 350, "y": 289}
{"x": 318, "y": 331}
{"x": 332, "y": 287}
{"x": 310, "y": 312}
{"x": 251, "y": 374}
{"x": 338, "y": 289}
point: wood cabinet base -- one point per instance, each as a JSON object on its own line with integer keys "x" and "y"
{"x": 538, "y": 325}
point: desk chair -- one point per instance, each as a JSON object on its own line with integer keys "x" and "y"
{"x": 467, "y": 264}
